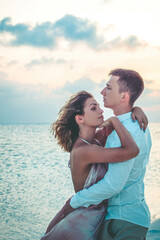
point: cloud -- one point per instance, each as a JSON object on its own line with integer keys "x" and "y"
{"x": 72, "y": 29}
{"x": 39, "y": 36}
{"x": 84, "y": 83}
{"x": 81, "y": 84}
{"x": 12, "y": 91}
{"x": 46, "y": 34}
{"x": 77, "y": 29}
{"x": 26, "y": 103}
{"x": 149, "y": 101}
{"x": 105, "y": 1}
{"x": 60, "y": 61}
{"x": 44, "y": 61}
{"x": 130, "y": 43}
{"x": 41, "y": 61}
{"x": 11, "y": 63}
{"x": 149, "y": 81}
{"x": 150, "y": 97}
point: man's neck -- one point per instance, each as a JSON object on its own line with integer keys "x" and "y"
{"x": 120, "y": 111}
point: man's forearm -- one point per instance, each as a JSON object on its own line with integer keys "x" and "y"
{"x": 93, "y": 195}
{"x": 111, "y": 184}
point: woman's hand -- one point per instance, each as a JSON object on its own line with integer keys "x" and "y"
{"x": 139, "y": 115}
{"x": 103, "y": 131}
{"x": 108, "y": 124}
{"x": 67, "y": 207}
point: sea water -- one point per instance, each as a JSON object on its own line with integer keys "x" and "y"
{"x": 35, "y": 181}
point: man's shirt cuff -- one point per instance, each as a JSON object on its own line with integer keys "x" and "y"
{"x": 74, "y": 202}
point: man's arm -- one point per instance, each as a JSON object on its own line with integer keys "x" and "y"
{"x": 112, "y": 183}
{"x": 115, "y": 178}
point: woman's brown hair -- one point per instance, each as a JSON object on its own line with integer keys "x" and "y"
{"x": 65, "y": 129}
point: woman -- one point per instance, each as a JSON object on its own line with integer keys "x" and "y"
{"x": 75, "y": 131}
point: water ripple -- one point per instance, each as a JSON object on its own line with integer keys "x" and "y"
{"x": 35, "y": 180}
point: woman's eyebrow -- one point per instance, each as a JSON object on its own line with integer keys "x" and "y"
{"x": 95, "y": 104}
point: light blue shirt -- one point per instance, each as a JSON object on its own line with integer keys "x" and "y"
{"x": 123, "y": 183}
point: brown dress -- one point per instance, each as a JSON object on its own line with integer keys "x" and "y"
{"x": 83, "y": 223}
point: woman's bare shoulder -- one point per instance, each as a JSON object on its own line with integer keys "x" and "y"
{"x": 79, "y": 150}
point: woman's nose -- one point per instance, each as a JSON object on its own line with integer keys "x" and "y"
{"x": 101, "y": 111}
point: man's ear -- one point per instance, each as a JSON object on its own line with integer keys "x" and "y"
{"x": 125, "y": 97}
{"x": 79, "y": 119}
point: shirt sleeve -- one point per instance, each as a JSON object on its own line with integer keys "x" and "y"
{"x": 112, "y": 183}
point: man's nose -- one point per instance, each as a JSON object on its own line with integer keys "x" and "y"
{"x": 103, "y": 92}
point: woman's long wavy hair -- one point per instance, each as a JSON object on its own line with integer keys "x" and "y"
{"x": 65, "y": 129}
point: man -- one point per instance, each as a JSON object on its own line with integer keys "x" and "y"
{"x": 127, "y": 215}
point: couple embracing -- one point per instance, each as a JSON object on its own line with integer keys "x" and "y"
{"x": 107, "y": 164}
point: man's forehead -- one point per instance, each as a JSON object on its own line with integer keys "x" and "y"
{"x": 112, "y": 80}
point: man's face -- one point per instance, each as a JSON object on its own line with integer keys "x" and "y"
{"x": 111, "y": 95}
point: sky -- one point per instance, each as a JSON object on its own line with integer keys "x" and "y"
{"x": 51, "y": 49}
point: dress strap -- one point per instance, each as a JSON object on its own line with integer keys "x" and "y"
{"x": 85, "y": 141}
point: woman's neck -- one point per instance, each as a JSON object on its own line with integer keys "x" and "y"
{"x": 87, "y": 134}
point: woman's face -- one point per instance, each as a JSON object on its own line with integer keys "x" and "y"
{"x": 93, "y": 114}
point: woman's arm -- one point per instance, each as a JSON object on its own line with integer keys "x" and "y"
{"x": 139, "y": 115}
{"x": 102, "y": 134}
{"x": 95, "y": 154}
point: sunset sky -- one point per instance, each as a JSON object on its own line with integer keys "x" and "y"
{"x": 52, "y": 49}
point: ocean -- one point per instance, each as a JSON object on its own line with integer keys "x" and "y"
{"x": 35, "y": 181}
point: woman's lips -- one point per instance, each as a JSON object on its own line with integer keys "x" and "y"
{"x": 101, "y": 117}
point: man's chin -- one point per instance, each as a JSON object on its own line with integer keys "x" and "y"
{"x": 106, "y": 105}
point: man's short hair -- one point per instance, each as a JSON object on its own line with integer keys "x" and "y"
{"x": 129, "y": 81}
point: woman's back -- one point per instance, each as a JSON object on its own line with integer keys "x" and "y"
{"x": 79, "y": 171}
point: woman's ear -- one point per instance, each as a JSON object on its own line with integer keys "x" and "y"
{"x": 79, "y": 119}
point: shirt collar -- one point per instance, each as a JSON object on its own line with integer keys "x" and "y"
{"x": 124, "y": 116}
